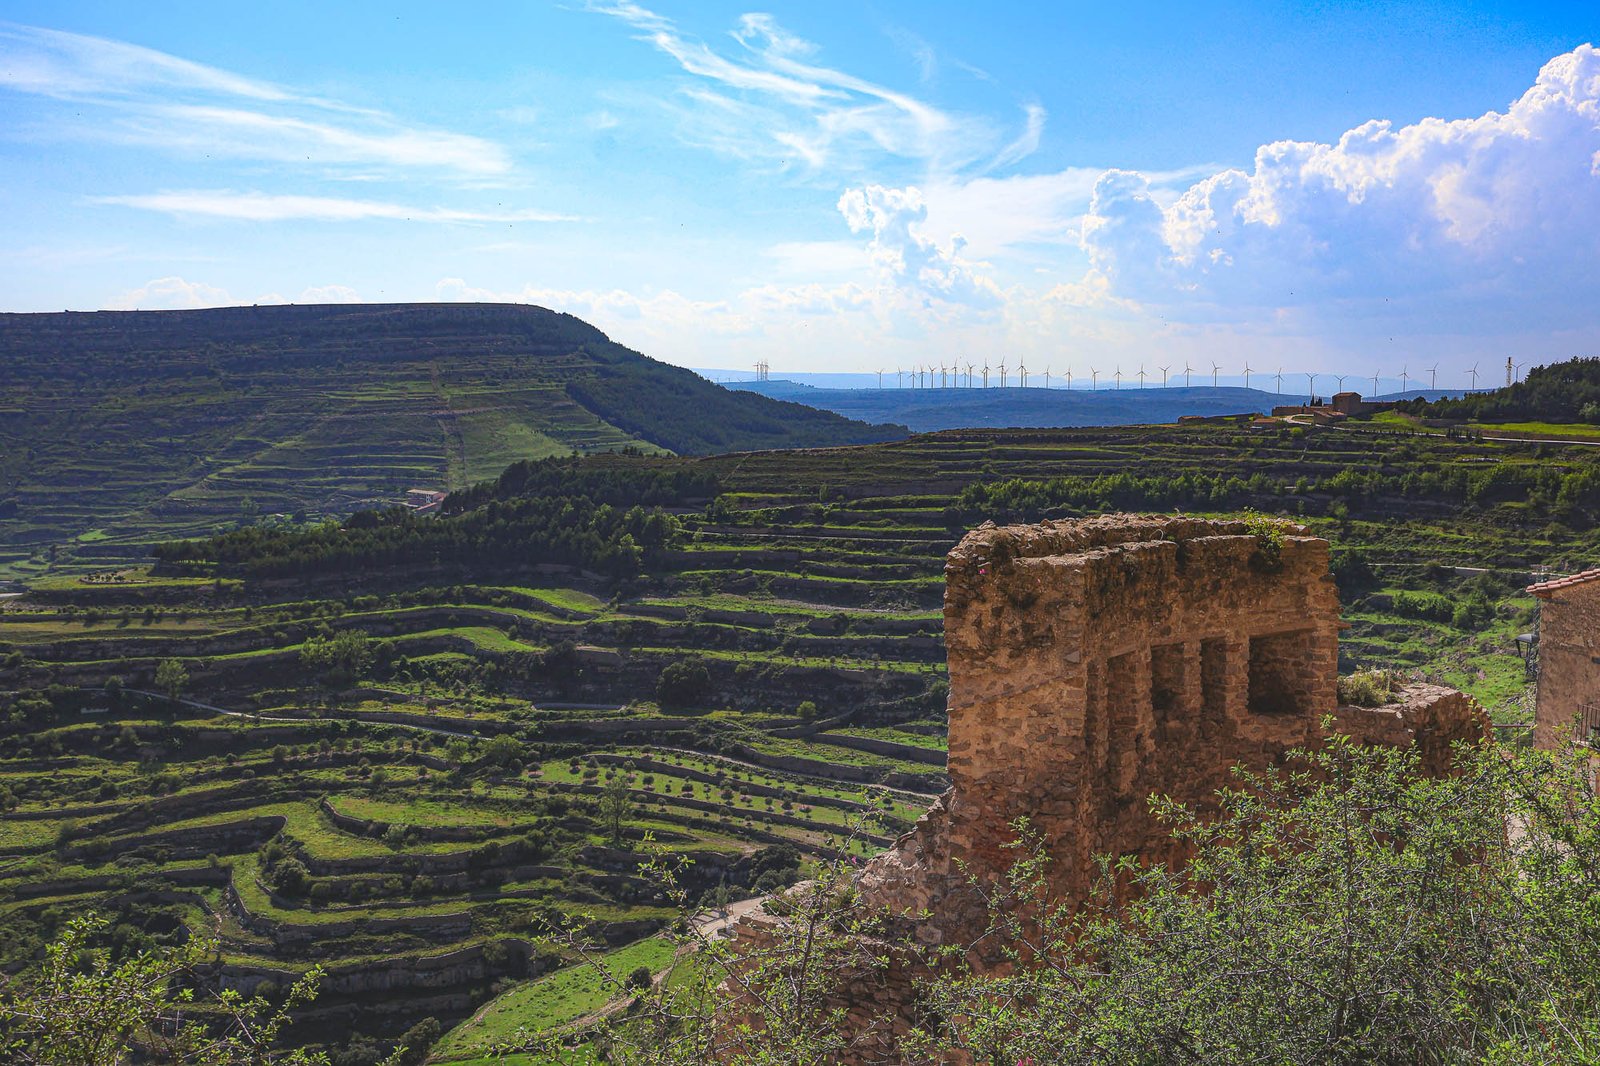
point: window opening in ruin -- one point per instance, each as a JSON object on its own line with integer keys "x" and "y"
{"x": 1281, "y": 673}
{"x": 1094, "y": 729}
{"x": 1214, "y": 676}
{"x": 1122, "y": 692}
{"x": 1166, "y": 677}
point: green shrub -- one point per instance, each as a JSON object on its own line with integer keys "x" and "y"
{"x": 1366, "y": 688}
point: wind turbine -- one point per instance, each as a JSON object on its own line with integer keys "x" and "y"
{"x": 1247, "y": 375}
{"x": 1404, "y": 377}
{"x": 1186, "y": 369}
{"x": 1069, "y": 377}
{"x": 1022, "y": 374}
{"x": 1311, "y": 388}
{"x": 1433, "y": 377}
{"x": 1141, "y": 377}
{"x": 1340, "y": 379}
{"x": 1002, "y": 373}
{"x": 1374, "y": 383}
{"x": 880, "y": 378}
{"x": 986, "y": 373}
{"x": 1279, "y": 376}
{"x": 900, "y": 375}
{"x": 1473, "y": 373}
{"x": 969, "y": 375}
{"x": 1164, "y": 376}
{"x": 1047, "y": 376}
{"x": 1118, "y": 376}
{"x": 1094, "y": 380}
{"x": 1214, "y": 369}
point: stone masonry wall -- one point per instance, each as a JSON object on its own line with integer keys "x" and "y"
{"x": 1093, "y": 663}
{"x": 1569, "y": 647}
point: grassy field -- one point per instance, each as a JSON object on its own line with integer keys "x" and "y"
{"x": 552, "y": 1002}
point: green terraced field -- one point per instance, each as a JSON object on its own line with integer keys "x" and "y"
{"x": 440, "y": 808}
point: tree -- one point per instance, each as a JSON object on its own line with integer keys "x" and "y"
{"x": 414, "y": 1045}
{"x": 616, "y": 804}
{"x": 502, "y": 751}
{"x": 171, "y": 678}
{"x": 683, "y": 683}
{"x": 107, "y": 1013}
{"x": 341, "y": 658}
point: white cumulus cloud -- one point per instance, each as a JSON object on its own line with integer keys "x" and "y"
{"x": 170, "y": 294}
{"x": 908, "y": 258}
{"x": 1491, "y": 217}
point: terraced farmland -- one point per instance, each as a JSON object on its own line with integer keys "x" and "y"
{"x": 121, "y": 428}
{"x": 489, "y": 757}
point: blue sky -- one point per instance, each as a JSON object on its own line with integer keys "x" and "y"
{"x": 834, "y": 186}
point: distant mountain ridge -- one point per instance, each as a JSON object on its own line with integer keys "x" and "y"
{"x": 929, "y": 410}
{"x": 118, "y": 428}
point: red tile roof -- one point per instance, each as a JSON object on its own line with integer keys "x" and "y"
{"x": 1544, "y": 588}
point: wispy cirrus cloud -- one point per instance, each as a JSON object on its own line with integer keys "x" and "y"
{"x": 767, "y": 99}
{"x": 133, "y": 94}
{"x": 269, "y": 207}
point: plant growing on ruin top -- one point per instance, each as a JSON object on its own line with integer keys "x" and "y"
{"x": 1268, "y": 531}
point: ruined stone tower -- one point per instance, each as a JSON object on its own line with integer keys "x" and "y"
{"x": 1097, "y": 662}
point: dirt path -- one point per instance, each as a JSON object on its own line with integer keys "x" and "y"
{"x": 253, "y": 717}
{"x": 709, "y": 924}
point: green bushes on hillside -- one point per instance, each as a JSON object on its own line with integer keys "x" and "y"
{"x": 1344, "y": 909}
{"x": 1562, "y": 392}
{"x": 1544, "y": 486}
{"x": 499, "y": 537}
{"x": 621, "y": 483}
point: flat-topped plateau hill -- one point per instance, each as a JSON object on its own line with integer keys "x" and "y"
{"x": 118, "y": 428}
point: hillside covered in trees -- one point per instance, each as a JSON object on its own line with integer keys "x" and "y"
{"x": 119, "y": 429}
{"x": 1561, "y": 392}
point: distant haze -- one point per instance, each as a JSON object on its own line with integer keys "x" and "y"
{"x": 929, "y": 409}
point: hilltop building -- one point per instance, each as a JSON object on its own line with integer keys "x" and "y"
{"x": 1343, "y": 405}
{"x": 1569, "y": 659}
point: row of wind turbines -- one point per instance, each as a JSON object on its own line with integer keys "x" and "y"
{"x": 924, "y": 377}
